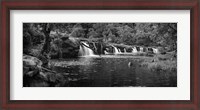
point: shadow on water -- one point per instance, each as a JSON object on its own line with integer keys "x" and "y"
{"x": 109, "y": 71}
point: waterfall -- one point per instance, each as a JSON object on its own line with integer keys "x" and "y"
{"x": 106, "y": 52}
{"x": 134, "y": 50}
{"x": 85, "y": 51}
{"x": 155, "y": 50}
{"x": 119, "y": 51}
{"x": 115, "y": 50}
{"x": 125, "y": 50}
{"x": 141, "y": 49}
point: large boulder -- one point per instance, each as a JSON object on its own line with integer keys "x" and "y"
{"x": 31, "y": 61}
{"x": 34, "y": 75}
{"x": 31, "y": 65}
{"x": 65, "y": 47}
{"x": 70, "y": 48}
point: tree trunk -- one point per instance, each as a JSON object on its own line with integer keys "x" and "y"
{"x": 46, "y": 47}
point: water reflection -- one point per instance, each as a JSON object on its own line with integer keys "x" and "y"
{"x": 109, "y": 71}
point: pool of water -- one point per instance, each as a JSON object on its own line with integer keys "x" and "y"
{"x": 111, "y": 71}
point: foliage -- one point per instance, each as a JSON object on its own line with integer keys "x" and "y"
{"x": 144, "y": 34}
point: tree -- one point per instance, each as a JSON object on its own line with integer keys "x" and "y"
{"x": 46, "y": 30}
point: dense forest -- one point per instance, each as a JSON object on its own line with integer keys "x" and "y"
{"x": 146, "y": 34}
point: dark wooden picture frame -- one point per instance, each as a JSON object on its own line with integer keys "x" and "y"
{"x": 192, "y": 5}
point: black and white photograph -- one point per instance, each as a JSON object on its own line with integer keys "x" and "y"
{"x": 100, "y": 54}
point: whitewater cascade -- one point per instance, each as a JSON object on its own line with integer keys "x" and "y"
{"x": 155, "y": 50}
{"x": 116, "y": 50}
{"x": 85, "y": 51}
{"x": 125, "y": 50}
{"x": 134, "y": 50}
{"x": 119, "y": 50}
{"x": 106, "y": 52}
{"x": 141, "y": 49}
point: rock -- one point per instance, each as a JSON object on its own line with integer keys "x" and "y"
{"x": 31, "y": 61}
{"x": 55, "y": 52}
{"x": 66, "y": 47}
{"x": 43, "y": 76}
{"x": 30, "y": 71}
{"x": 150, "y": 50}
{"x": 65, "y": 37}
{"x": 35, "y": 75}
{"x": 25, "y": 69}
{"x": 69, "y": 49}
{"x": 51, "y": 77}
{"x": 149, "y": 54}
{"x": 130, "y": 64}
{"x": 160, "y": 58}
{"x": 163, "y": 53}
{"x": 31, "y": 65}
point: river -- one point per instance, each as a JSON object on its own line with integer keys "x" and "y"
{"x": 111, "y": 71}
